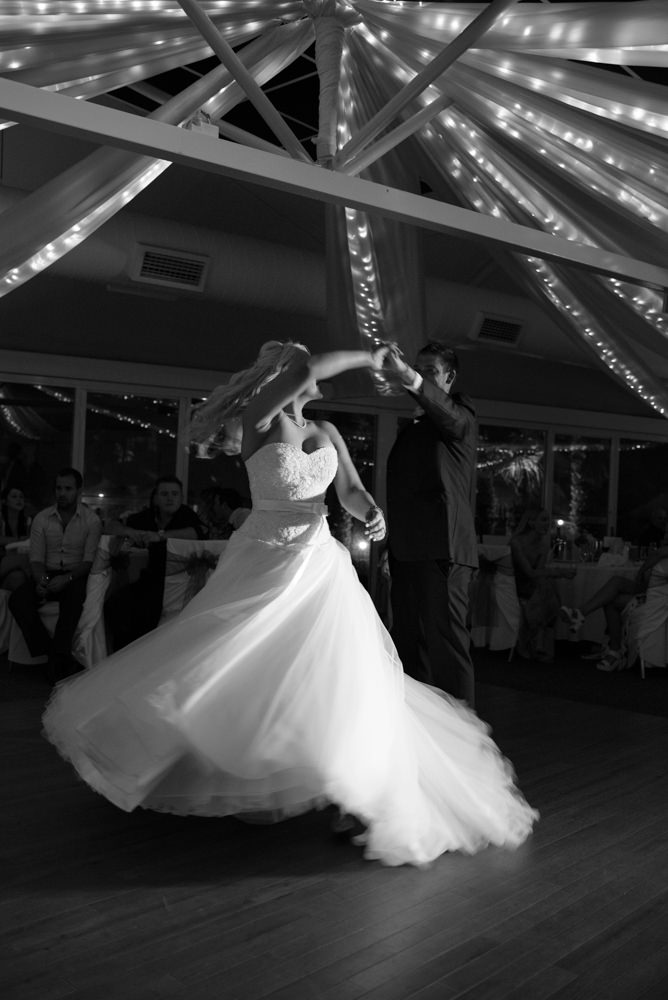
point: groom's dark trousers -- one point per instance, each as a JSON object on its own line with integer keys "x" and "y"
{"x": 432, "y": 541}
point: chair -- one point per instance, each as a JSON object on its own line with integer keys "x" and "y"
{"x": 88, "y": 644}
{"x": 5, "y": 621}
{"x": 495, "y": 609}
{"x": 189, "y": 565}
{"x": 646, "y": 623}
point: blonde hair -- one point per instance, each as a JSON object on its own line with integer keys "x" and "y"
{"x": 228, "y": 401}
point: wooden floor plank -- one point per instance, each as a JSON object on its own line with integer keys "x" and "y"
{"x": 98, "y": 904}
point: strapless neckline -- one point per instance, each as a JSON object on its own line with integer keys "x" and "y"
{"x": 289, "y": 444}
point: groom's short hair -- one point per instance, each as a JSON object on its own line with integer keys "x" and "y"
{"x": 442, "y": 351}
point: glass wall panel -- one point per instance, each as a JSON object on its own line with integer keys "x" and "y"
{"x": 35, "y": 439}
{"x": 581, "y": 482}
{"x": 642, "y": 509}
{"x": 130, "y": 441}
{"x": 510, "y": 476}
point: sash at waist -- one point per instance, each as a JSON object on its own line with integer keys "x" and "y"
{"x": 292, "y": 506}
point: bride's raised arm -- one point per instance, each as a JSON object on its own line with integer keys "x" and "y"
{"x": 294, "y": 380}
{"x": 281, "y": 374}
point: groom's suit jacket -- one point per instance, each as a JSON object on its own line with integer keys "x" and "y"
{"x": 429, "y": 481}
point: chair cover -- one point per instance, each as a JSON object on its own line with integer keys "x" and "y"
{"x": 646, "y": 626}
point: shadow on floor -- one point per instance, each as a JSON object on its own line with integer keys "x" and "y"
{"x": 576, "y": 679}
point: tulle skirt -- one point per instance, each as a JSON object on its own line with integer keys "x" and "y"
{"x": 278, "y": 689}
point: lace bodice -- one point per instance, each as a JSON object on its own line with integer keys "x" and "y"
{"x": 282, "y": 474}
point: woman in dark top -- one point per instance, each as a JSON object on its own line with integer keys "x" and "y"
{"x": 14, "y": 527}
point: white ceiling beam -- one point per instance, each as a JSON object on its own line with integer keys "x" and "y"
{"x": 472, "y": 33}
{"x": 107, "y": 126}
{"x": 246, "y": 80}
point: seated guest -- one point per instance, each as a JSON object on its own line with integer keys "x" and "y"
{"x": 14, "y": 527}
{"x": 165, "y": 517}
{"x": 135, "y": 609}
{"x": 612, "y": 598}
{"x": 223, "y": 511}
{"x": 63, "y": 542}
{"x": 530, "y": 548}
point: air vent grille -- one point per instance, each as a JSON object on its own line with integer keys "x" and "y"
{"x": 498, "y": 330}
{"x": 173, "y": 268}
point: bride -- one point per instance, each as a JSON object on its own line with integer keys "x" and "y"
{"x": 277, "y": 689}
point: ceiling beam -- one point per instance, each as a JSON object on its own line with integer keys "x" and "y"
{"x": 244, "y": 78}
{"x": 472, "y": 33}
{"x": 107, "y": 126}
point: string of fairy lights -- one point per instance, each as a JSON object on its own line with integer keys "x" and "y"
{"x": 117, "y": 415}
{"x": 78, "y": 232}
{"x": 529, "y": 106}
{"x": 364, "y": 269}
{"x": 488, "y": 180}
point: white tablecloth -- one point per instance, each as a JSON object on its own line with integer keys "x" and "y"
{"x": 495, "y": 610}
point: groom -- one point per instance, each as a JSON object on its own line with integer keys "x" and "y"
{"x": 432, "y": 540}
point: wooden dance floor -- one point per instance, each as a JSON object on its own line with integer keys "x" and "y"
{"x": 97, "y": 904}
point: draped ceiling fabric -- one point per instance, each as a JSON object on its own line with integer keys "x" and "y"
{"x": 527, "y": 127}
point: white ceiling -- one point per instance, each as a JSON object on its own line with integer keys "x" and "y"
{"x": 265, "y": 243}
{"x": 267, "y": 279}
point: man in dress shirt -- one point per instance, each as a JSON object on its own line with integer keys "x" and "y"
{"x": 63, "y": 542}
{"x": 432, "y": 540}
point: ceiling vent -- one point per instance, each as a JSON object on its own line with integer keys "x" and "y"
{"x": 497, "y": 329}
{"x": 171, "y": 268}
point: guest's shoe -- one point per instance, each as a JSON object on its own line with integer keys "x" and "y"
{"x": 597, "y": 653}
{"x": 573, "y": 617}
{"x": 613, "y": 660}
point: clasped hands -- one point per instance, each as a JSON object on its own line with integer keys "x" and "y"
{"x": 139, "y": 538}
{"x": 46, "y": 588}
{"x": 389, "y": 357}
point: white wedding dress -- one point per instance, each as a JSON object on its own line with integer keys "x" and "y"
{"x": 278, "y": 689}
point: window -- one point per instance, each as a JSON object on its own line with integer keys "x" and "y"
{"x": 581, "y": 483}
{"x": 643, "y": 490}
{"x": 510, "y": 476}
{"x": 130, "y": 441}
{"x": 35, "y": 439}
